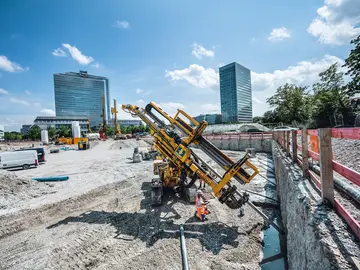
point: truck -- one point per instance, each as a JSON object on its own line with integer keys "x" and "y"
{"x": 19, "y": 159}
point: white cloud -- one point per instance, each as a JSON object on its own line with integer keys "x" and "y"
{"x": 210, "y": 108}
{"x": 199, "y": 51}
{"x": 278, "y": 34}
{"x": 3, "y": 91}
{"x": 7, "y": 65}
{"x": 336, "y": 22}
{"x": 256, "y": 100}
{"x": 97, "y": 65}
{"x": 195, "y": 75}
{"x": 171, "y": 107}
{"x": 139, "y": 91}
{"x": 47, "y": 112}
{"x": 28, "y": 92}
{"x": 264, "y": 85}
{"x": 77, "y": 55}
{"x": 59, "y": 52}
{"x": 19, "y": 101}
{"x": 122, "y": 24}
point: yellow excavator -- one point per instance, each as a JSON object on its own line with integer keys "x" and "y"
{"x": 180, "y": 167}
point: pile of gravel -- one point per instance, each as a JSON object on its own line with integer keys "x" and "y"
{"x": 347, "y": 152}
{"x": 14, "y": 189}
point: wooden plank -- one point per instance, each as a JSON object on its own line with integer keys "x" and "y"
{"x": 304, "y": 150}
{"x": 313, "y": 132}
{"x": 283, "y": 140}
{"x": 346, "y": 133}
{"x": 288, "y": 143}
{"x": 349, "y": 219}
{"x": 348, "y": 173}
{"x": 315, "y": 179}
{"x": 314, "y": 155}
{"x": 294, "y": 145}
{"x": 326, "y": 170}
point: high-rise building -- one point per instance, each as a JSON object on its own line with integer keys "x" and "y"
{"x": 2, "y": 132}
{"x": 235, "y": 93}
{"x": 79, "y": 94}
{"x": 25, "y": 129}
{"x": 212, "y": 119}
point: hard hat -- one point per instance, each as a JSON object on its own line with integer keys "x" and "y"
{"x": 199, "y": 192}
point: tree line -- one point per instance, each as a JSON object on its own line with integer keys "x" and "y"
{"x": 64, "y": 131}
{"x": 327, "y": 103}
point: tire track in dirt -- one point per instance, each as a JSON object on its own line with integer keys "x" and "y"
{"x": 24, "y": 219}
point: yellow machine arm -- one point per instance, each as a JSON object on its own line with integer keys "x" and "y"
{"x": 175, "y": 148}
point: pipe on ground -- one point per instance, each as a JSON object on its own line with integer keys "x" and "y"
{"x": 183, "y": 249}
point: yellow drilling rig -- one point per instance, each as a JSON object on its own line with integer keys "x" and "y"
{"x": 118, "y": 135}
{"x": 180, "y": 166}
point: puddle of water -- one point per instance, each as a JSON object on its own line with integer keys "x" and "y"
{"x": 273, "y": 247}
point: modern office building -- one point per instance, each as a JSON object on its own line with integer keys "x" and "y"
{"x": 80, "y": 94}
{"x": 2, "y": 132}
{"x": 212, "y": 119}
{"x": 58, "y": 121}
{"x": 235, "y": 93}
{"x": 25, "y": 129}
{"x": 126, "y": 123}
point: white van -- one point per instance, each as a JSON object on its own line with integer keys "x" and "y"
{"x": 23, "y": 159}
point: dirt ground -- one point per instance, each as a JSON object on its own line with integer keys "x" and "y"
{"x": 101, "y": 218}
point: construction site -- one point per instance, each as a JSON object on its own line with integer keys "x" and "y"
{"x": 180, "y": 199}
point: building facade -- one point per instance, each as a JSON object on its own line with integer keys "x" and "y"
{"x": 235, "y": 93}
{"x": 58, "y": 121}
{"x": 2, "y": 132}
{"x": 212, "y": 119}
{"x": 25, "y": 129}
{"x": 80, "y": 94}
{"x": 126, "y": 123}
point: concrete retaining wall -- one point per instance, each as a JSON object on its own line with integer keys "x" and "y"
{"x": 237, "y": 144}
{"x": 316, "y": 237}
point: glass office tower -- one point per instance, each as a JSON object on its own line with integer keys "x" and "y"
{"x": 79, "y": 94}
{"x": 235, "y": 93}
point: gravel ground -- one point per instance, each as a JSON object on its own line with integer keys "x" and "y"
{"x": 101, "y": 218}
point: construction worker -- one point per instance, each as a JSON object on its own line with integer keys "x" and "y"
{"x": 201, "y": 206}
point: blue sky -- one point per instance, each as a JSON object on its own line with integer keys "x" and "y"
{"x": 164, "y": 50}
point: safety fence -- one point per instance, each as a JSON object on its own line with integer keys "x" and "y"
{"x": 321, "y": 150}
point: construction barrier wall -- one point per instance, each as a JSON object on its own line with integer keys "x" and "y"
{"x": 240, "y": 141}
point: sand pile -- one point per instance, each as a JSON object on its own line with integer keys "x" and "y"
{"x": 128, "y": 144}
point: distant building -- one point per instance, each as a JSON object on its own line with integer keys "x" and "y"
{"x": 25, "y": 129}
{"x": 235, "y": 93}
{"x": 79, "y": 94}
{"x": 212, "y": 119}
{"x": 127, "y": 123}
{"x": 58, "y": 121}
{"x": 2, "y": 132}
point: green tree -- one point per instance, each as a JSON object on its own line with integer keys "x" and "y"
{"x": 353, "y": 65}
{"x": 110, "y": 131}
{"x": 258, "y": 119}
{"x": 64, "y": 131}
{"x": 35, "y": 133}
{"x": 147, "y": 128}
{"x": 331, "y": 104}
{"x": 51, "y": 131}
{"x": 290, "y": 103}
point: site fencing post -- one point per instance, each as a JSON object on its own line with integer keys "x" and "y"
{"x": 294, "y": 146}
{"x": 305, "y": 158}
{"x": 287, "y": 143}
{"x": 326, "y": 170}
